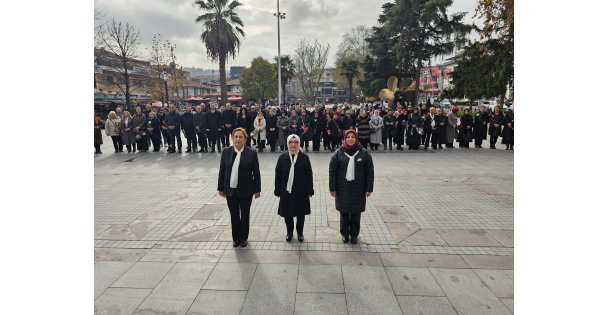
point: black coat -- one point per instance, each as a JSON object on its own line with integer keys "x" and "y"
{"x": 245, "y": 123}
{"x": 187, "y": 121}
{"x": 271, "y": 122}
{"x": 298, "y": 202}
{"x": 214, "y": 121}
{"x": 249, "y": 173}
{"x": 350, "y": 196}
{"x": 200, "y": 121}
{"x": 507, "y": 132}
{"x": 495, "y": 119}
{"x": 465, "y": 134}
{"x": 480, "y": 130}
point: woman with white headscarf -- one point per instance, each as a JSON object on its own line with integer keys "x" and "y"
{"x": 293, "y": 184}
{"x": 376, "y": 130}
{"x": 351, "y": 180}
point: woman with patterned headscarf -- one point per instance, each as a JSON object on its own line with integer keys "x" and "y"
{"x": 351, "y": 180}
{"x": 375, "y": 125}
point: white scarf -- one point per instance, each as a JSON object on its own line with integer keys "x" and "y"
{"x": 293, "y": 162}
{"x": 433, "y": 121}
{"x": 350, "y": 170}
{"x": 291, "y": 171}
{"x": 234, "y": 175}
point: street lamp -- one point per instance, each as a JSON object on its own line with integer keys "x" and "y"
{"x": 166, "y": 77}
{"x": 279, "y": 16}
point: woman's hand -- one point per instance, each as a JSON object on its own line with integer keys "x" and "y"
{"x": 221, "y": 193}
{"x": 257, "y": 195}
{"x": 367, "y": 194}
{"x": 333, "y": 194}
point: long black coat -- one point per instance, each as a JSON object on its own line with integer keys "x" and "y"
{"x": 507, "y": 132}
{"x": 298, "y": 202}
{"x": 465, "y": 134}
{"x": 495, "y": 119}
{"x": 214, "y": 121}
{"x": 480, "y": 130}
{"x": 350, "y": 196}
{"x": 249, "y": 173}
{"x": 271, "y": 122}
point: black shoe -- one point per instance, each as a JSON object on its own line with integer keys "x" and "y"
{"x": 187, "y": 151}
{"x": 235, "y": 244}
{"x": 353, "y": 240}
{"x": 300, "y": 238}
{"x": 289, "y": 237}
{"x": 345, "y": 239}
{"x": 212, "y": 151}
{"x": 179, "y": 150}
{"x": 244, "y": 244}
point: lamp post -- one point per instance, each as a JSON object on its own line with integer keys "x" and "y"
{"x": 279, "y": 16}
{"x": 166, "y": 77}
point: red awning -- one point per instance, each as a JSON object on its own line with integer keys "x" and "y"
{"x": 194, "y": 99}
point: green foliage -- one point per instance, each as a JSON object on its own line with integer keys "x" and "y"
{"x": 349, "y": 68}
{"x": 288, "y": 72}
{"x": 259, "y": 80}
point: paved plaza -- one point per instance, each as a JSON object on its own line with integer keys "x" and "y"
{"x": 436, "y": 238}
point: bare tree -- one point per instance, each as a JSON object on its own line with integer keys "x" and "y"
{"x": 98, "y": 37}
{"x": 122, "y": 41}
{"x": 159, "y": 58}
{"x": 310, "y": 60}
{"x": 353, "y": 44}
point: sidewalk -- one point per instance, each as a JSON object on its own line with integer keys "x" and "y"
{"x": 436, "y": 237}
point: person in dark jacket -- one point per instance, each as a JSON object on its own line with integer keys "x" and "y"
{"x": 153, "y": 126}
{"x": 401, "y": 122}
{"x": 172, "y": 121}
{"x": 244, "y": 121}
{"x": 163, "y": 128}
{"x": 293, "y": 184}
{"x": 363, "y": 127}
{"x": 187, "y": 124}
{"x": 413, "y": 137}
{"x": 228, "y": 124}
{"x": 465, "y": 129}
{"x": 496, "y": 120}
{"x": 200, "y": 125}
{"x": 128, "y": 134}
{"x": 507, "y": 132}
{"x": 480, "y": 126}
{"x": 388, "y": 129}
{"x": 214, "y": 128}
{"x": 351, "y": 180}
{"x": 316, "y": 125}
{"x": 442, "y": 121}
{"x": 139, "y": 121}
{"x": 305, "y": 129}
{"x": 329, "y": 130}
{"x": 97, "y": 128}
{"x": 238, "y": 181}
{"x": 272, "y": 130}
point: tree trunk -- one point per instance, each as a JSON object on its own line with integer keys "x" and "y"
{"x": 127, "y": 93}
{"x": 350, "y": 90}
{"x": 223, "y": 86}
{"x": 284, "y": 94}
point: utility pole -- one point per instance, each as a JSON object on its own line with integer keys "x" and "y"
{"x": 279, "y": 16}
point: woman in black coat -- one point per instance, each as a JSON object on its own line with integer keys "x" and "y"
{"x": 413, "y": 137}
{"x": 153, "y": 126}
{"x": 317, "y": 124}
{"x": 507, "y": 132}
{"x": 496, "y": 120}
{"x": 400, "y": 125}
{"x": 239, "y": 186}
{"x": 294, "y": 192}
{"x": 351, "y": 185}
{"x": 465, "y": 129}
{"x": 272, "y": 131}
{"x": 388, "y": 129}
{"x": 243, "y": 120}
{"x": 480, "y": 126}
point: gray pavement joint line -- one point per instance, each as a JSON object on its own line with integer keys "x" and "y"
{"x": 391, "y": 283}
{"x": 344, "y": 286}
{"x": 440, "y": 287}
{"x": 203, "y": 285}
{"x": 152, "y": 290}
{"x": 248, "y": 289}
{"x": 503, "y": 303}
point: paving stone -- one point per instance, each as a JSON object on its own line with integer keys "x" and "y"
{"x": 193, "y": 226}
{"x": 499, "y": 281}
{"x": 160, "y": 212}
{"x": 401, "y": 231}
{"x": 183, "y": 255}
{"x": 272, "y": 291}
{"x": 230, "y": 276}
{"x": 120, "y": 300}
{"x": 178, "y": 289}
{"x": 509, "y": 303}
{"x": 106, "y": 272}
{"x": 368, "y": 290}
{"x": 211, "y": 212}
{"x": 340, "y": 258}
{"x": 505, "y": 237}
{"x": 392, "y": 214}
{"x": 133, "y": 231}
{"x": 100, "y": 228}
{"x": 208, "y": 234}
{"x": 276, "y": 234}
{"x": 423, "y": 260}
{"x": 211, "y": 302}
{"x": 469, "y": 237}
{"x": 258, "y": 233}
{"x": 425, "y": 237}
{"x": 413, "y": 281}
{"x": 327, "y": 235}
{"x": 489, "y": 262}
{"x": 320, "y": 304}
{"x": 427, "y": 305}
{"x": 260, "y": 257}
{"x": 119, "y": 254}
{"x": 143, "y": 275}
{"x": 466, "y": 291}
{"x": 384, "y": 200}
{"x": 320, "y": 279}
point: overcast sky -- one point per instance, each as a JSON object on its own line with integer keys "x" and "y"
{"x": 326, "y": 20}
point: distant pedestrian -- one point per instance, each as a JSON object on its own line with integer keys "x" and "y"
{"x": 496, "y": 121}
{"x": 507, "y": 132}
{"x": 97, "y": 129}
{"x": 128, "y": 133}
{"x": 112, "y": 129}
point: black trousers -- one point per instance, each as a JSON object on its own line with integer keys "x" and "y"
{"x": 364, "y": 142}
{"x": 299, "y": 224}
{"x": 239, "y": 217}
{"x": 190, "y": 138}
{"x": 202, "y": 141}
{"x": 213, "y": 140}
{"x": 173, "y": 137}
{"x": 156, "y": 141}
{"x": 326, "y": 141}
{"x": 493, "y": 140}
{"x": 165, "y": 136}
{"x": 97, "y": 148}
{"x": 433, "y": 136}
{"x": 350, "y": 224}
{"x": 226, "y": 131}
{"x": 117, "y": 142}
{"x": 316, "y": 142}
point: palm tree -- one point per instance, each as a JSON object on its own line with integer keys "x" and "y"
{"x": 349, "y": 67}
{"x": 221, "y": 30}
{"x": 288, "y": 71}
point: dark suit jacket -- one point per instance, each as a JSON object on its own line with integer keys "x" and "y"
{"x": 249, "y": 173}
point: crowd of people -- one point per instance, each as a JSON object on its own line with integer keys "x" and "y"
{"x": 208, "y": 129}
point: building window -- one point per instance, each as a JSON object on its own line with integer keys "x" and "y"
{"x": 109, "y": 79}
{"x": 139, "y": 83}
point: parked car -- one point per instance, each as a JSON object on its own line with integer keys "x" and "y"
{"x": 445, "y": 104}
